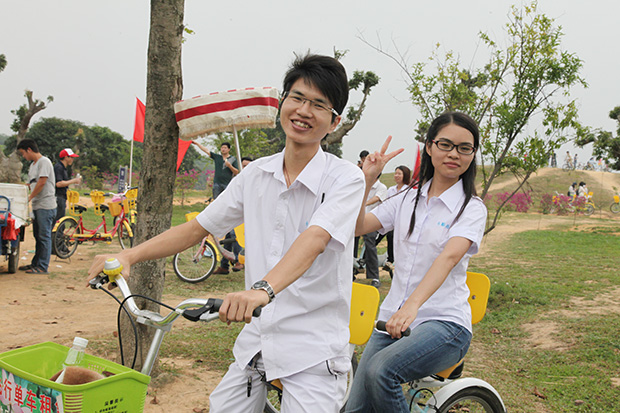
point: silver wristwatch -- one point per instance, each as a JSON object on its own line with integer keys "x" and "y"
{"x": 264, "y": 285}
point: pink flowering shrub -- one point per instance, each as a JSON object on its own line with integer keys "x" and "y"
{"x": 185, "y": 181}
{"x": 520, "y": 202}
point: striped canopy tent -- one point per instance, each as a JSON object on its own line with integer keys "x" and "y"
{"x": 227, "y": 112}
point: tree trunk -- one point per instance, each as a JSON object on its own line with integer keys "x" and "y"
{"x": 10, "y": 168}
{"x": 155, "y": 192}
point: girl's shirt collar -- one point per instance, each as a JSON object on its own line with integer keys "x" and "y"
{"x": 451, "y": 197}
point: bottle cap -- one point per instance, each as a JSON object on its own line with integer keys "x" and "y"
{"x": 79, "y": 341}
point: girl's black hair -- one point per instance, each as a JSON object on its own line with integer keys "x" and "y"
{"x": 406, "y": 174}
{"x": 427, "y": 170}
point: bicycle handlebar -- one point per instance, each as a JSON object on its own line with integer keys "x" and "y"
{"x": 381, "y": 327}
{"x": 193, "y": 309}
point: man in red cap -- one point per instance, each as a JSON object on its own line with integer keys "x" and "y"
{"x": 63, "y": 180}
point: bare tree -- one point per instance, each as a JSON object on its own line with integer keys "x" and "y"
{"x": 10, "y": 167}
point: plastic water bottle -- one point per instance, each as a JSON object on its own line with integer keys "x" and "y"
{"x": 76, "y": 352}
{"x": 74, "y": 356}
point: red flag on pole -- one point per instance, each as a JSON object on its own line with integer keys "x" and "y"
{"x": 415, "y": 175}
{"x": 138, "y": 129}
{"x": 138, "y": 132}
{"x": 183, "y": 145}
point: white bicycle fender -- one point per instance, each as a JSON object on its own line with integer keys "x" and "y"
{"x": 443, "y": 394}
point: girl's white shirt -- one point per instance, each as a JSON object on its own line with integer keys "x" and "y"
{"x": 414, "y": 255}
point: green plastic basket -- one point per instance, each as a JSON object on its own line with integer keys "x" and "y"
{"x": 31, "y": 367}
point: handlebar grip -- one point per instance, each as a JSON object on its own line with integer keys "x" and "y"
{"x": 381, "y": 327}
{"x": 212, "y": 306}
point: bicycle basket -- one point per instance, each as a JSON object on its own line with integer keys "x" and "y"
{"x": 117, "y": 207}
{"x": 29, "y": 368}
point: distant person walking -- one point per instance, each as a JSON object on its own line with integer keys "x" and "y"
{"x": 42, "y": 184}
{"x": 63, "y": 180}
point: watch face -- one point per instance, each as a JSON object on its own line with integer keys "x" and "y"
{"x": 260, "y": 284}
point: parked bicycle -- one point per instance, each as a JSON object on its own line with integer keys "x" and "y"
{"x": 615, "y": 206}
{"x": 69, "y": 231}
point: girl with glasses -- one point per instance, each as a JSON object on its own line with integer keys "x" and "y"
{"x": 438, "y": 224}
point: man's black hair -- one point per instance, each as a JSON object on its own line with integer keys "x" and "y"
{"x": 247, "y": 158}
{"x": 323, "y": 72}
{"x": 363, "y": 154}
{"x": 225, "y": 143}
{"x": 25, "y": 144}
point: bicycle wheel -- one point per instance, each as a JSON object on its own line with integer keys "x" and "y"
{"x": 615, "y": 207}
{"x": 274, "y": 394}
{"x": 124, "y": 238}
{"x": 195, "y": 264}
{"x": 473, "y": 400}
{"x": 588, "y": 209}
{"x": 63, "y": 245}
{"x": 14, "y": 256}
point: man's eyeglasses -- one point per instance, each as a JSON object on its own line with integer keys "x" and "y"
{"x": 463, "y": 148}
{"x": 314, "y": 105}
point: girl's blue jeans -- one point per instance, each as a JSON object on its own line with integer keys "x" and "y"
{"x": 386, "y": 363}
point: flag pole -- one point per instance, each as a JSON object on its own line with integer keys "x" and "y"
{"x": 237, "y": 147}
{"x": 130, "y": 162}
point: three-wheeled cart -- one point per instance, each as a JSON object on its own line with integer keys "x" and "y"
{"x": 14, "y": 217}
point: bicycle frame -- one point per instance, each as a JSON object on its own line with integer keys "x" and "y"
{"x": 203, "y": 310}
{"x": 162, "y": 324}
{"x": 95, "y": 234}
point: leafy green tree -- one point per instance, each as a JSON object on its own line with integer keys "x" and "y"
{"x": 523, "y": 86}
{"x": 606, "y": 146}
{"x": 97, "y": 146}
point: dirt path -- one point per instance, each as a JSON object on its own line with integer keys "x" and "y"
{"x": 58, "y": 307}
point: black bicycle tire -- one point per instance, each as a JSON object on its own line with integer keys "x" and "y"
{"x": 270, "y": 408}
{"x": 69, "y": 247}
{"x": 187, "y": 256}
{"x": 615, "y": 207}
{"x": 588, "y": 209}
{"x": 485, "y": 397}
{"x": 14, "y": 256}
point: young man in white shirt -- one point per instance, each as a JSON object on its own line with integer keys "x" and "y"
{"x": 299, "y": 208}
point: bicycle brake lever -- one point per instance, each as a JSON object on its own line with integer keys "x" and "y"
{"x": 98, "y": 281}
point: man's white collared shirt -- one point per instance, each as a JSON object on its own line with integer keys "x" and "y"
{"x": 307, "y": 323}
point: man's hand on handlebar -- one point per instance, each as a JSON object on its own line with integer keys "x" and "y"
{"x": 96, "y": 267}
{"x": 240, "y": 305}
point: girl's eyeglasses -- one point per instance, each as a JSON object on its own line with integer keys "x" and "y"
{"x": 463, "y": 148}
